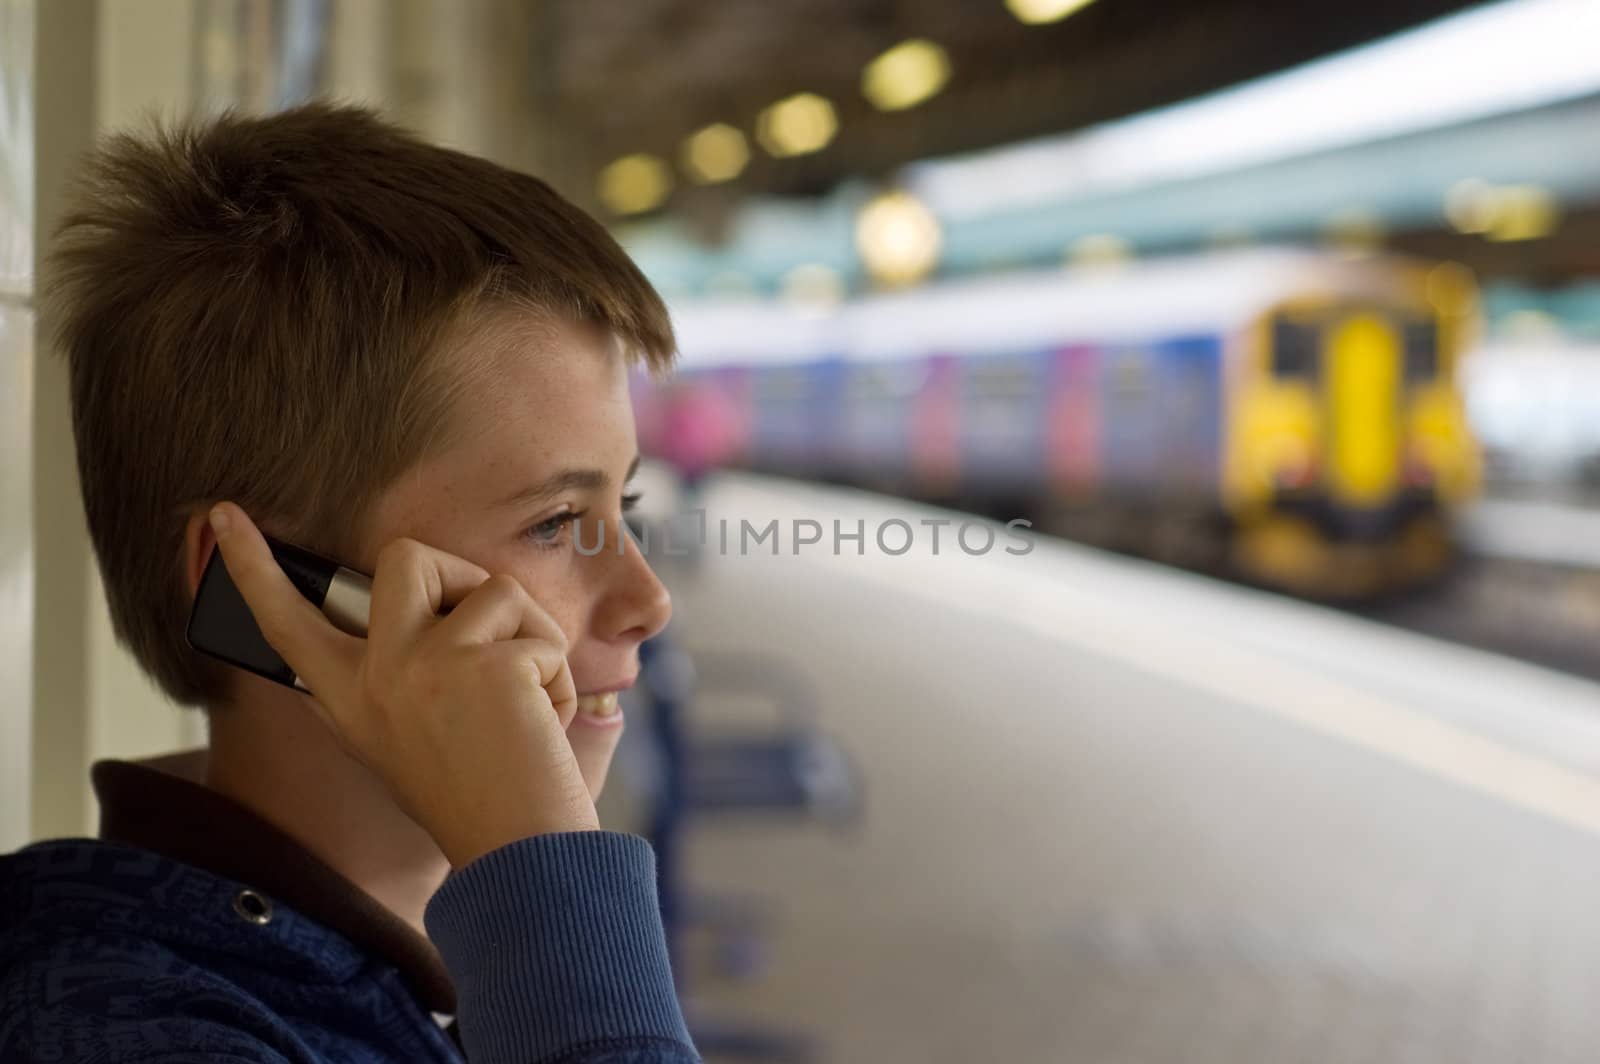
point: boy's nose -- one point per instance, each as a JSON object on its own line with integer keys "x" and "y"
{"x": 641, "y": 605}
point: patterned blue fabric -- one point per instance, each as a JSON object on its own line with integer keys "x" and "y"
{"x": 112, "y": 953}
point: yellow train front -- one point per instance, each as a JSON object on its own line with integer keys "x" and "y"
{"x": 1289, "y": 416}
{"x": 1348, "y": 447}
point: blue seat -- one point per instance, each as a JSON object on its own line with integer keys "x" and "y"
{"x": 791, "y": 770}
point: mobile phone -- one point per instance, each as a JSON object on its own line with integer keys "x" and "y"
{"x": 221, "y": 624}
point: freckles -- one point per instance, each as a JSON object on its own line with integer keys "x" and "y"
{"x": 557, "y": 590}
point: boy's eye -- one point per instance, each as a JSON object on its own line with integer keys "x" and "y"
{"x": 548, "y": 533}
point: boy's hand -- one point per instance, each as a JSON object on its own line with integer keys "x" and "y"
{"x": 463, "y": 717}
{"x": 594, "y": 748}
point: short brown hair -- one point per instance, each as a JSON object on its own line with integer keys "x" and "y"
{"x": 243, "y": 298}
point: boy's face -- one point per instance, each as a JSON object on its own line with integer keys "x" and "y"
{"x": 544, "y": 400}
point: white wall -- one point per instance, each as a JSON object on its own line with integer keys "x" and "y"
{"x": 16, "y": 416}
{"x": 99, "y": 65}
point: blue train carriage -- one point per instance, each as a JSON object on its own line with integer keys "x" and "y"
{"x": 1092, "y": 401}
{"x": 779, "y": 373}
{"x": 1293, "y": 411}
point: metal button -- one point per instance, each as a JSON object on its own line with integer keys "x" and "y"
{"x": 252, "y": 906}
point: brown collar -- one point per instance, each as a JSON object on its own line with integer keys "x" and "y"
{"x": 160, "y": 805}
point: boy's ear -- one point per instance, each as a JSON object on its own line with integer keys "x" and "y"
{"x": 198, "y": 543}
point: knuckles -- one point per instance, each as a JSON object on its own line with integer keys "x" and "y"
{"x": 504, "y": 586}
{"x": 401, "y": 553}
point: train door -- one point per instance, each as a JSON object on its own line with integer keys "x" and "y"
{"x": 826, "y": 416}
{"x": 1073, "y": 423}
{"x": 1187, "y": 418}
{"x": 935, "y": 428}
{"x": 782, "y": 435}
{"x": 1129, "y": 428}
{"x": 875, "y": 422}
{"x": 1002, "y": 423}
{"x": 734, "y": 386}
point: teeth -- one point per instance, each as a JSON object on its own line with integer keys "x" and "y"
{"x": 599, "y": 705}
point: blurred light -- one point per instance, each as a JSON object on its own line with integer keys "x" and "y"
{"x": 802, "y": 123}
{"x": 813, "y": 285}
{"x": 1530, "y": 324}
{"x": 1449, "y": 289}
{"x": 716, "y": 153}
{"x": 898, "y": 238}
{"x": 1491, "y": 60}
{"x": 1355, "y": 231}
{"x": 1224, "y": 237}
{"x": 731, "y": 284}
{"x": 905, "y": 75}
{"x": 1099, "y": 249}
{"x": 1471, "y": 205}
{"x": 1039, "y": 12}
{"x": 1523, "y": 212}
{"x": 635, "y": 183}
{"x": 1000, "y": 261}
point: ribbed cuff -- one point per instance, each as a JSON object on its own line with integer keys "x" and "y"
{"x": 554, "y": 942}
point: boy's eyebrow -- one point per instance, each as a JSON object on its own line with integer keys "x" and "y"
{"x": 566, "y": 480}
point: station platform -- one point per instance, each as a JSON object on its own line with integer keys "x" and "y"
{"x": 1115, "y": 812}
{"x": 1533, "y": 530}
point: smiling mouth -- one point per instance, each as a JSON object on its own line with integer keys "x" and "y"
{"x": 599, "y": 705}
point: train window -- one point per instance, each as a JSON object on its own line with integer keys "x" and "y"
{"x": 1295, "y": 347}
{"x": 1421, "y": 349}
{"x": 782, "y": 385}
{"x": 1129, "y": 377}
{"x": 863, "y": 383}
{"x": 1002, "y": 379}
{"x": 883, "y": 383}
{"x": 904, "y": 379}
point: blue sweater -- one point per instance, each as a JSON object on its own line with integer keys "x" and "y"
{"x": 552, "y": 951}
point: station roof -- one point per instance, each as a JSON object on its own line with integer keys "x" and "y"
{"x": 642, "y": 76}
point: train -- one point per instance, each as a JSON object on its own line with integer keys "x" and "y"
{"x": 1288, "y": 416}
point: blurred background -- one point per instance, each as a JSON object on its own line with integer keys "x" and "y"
{"x": 1271, "y": 331}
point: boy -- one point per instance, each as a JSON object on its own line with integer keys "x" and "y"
{"x": 413, "y": 361}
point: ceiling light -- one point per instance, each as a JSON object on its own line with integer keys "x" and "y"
{"x": 898, "y": 238}
{"x": 1039, "y": 12}
{"x": 1099, "y": 249}
{"x": 802, "y": 123}
{"x": 1523, "y": 212}
{"x": 634, "y": 183}
{"x": 905, "y": 75}
{"x": 1355, "y": 232}
{"x": 813, "y": 285}
{"x": 716, "y": 153}
{"x": 1471, "y": 205}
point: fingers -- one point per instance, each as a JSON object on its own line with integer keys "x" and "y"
{"x": 500, "y": 608}
{"x": 411, "y": 585}
{"x": 555, "y": 674}
{"x": 516, "y": 669}
{"x": 502, "y": 613}
{"x": 594, "y": 749}
{"x": 319, "y": 653}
